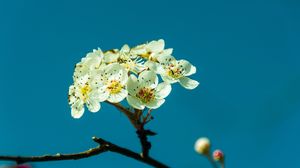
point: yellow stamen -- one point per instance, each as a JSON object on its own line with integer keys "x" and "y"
{"x": 114, "y": 87}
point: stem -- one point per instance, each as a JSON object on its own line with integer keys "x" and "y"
{"x": 135, "y": 119}
{"x": 127, "y": 113}
{"x": 104, "y": 146}
{"x": 212, "y": 162}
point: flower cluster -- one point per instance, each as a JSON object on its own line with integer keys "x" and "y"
{"x": 128, "y": 73}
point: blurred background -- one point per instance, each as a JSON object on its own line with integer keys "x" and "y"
{"x": 248, "y": 59}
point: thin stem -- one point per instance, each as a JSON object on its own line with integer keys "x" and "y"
{"x": 212, "y": 162}
{"x": 127, "y": 113}
{"x": 223, "y": 164}
{"x": 103, "y": 147}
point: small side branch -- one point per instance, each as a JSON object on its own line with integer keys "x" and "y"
{"x": 103, "y": 147}
{"x": 131, "y": 154}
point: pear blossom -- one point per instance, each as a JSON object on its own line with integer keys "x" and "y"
{"x": 145, "y": 91}
{"x": 111, "y": 81}
{"x": 89, "y": 63}
{"x": 83, "y": 92}
{"x": 172, "y": 71}
{"x": 129, "y": 73}
{"x": 126, "y": 58}
{"x": 152, "y": 50}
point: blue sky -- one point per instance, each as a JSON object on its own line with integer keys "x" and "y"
{"x": 246, "y": 52}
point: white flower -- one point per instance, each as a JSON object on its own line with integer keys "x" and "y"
{"x": 145, "y": 91}
{"x": 152, "y": 50}
{"x": 125, "y": 58}
{"x": 172, "y": 71}
{"x": 91, "y": 62}
{"x": 81, "y": 93}
{"x": 111, "y": 80}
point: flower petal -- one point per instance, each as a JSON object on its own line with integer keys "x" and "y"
{"x": 155, "y": 103}
{"x": 148, "y": 78}
{"x": 135, "y": 103}
{"x": 125, "y": 48}
{"x": 185, "y": 66}
{"x": 132, "y": 85}
{"x": 168, "y": 79}
{"x": 99, "y": 96}
{"x": 163, "y": 90}
{"x": 111, "y": 56}
{"x": 155, "y": 67}
{"x": 116, "y": 98}
{"x": 156, "y": 46}
{"x": 77, "y": 109}
{"x": 188, "y": 83}
{"x": 192, "y": 71}
{"x": 166, "y": 59}
{"x": 71, "y": 95}
{"x": 93, "y": 106}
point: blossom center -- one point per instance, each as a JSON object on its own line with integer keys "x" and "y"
{"x": 174, "y": 72}
{"x": 114, "y": 87}
{"x": 85, "y": 90}
{"x": 146, "y": 94}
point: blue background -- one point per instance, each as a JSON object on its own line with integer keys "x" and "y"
{"x": 248, "y": 59}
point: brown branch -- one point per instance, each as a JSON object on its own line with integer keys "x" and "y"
{"x": 103, "y": 147}
{"x": 129, "y": 153}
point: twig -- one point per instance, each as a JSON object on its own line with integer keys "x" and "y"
{"x": 127, "y": 112}
{"x": 129, "y": 153}
{"x": 103, "y": 147}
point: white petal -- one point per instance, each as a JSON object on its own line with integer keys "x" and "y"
{"x": 138, "y": 50}
{"x": 77, "y": 109}
{"x": 148, "y": 78}
{"x": 135, "y": 103}
{"x": 93, "y": 106}
{"x": 111, "y": 56}
{"x": 132, "y": 85}
{"x": 168, "y": 79}
{"x": 155, "y": 67}
{"x": 155, "y": 103}
{"x": 185, "y": 66}
{"x": 123, "y": 76}
{"x": 71, "y": 94}
{"x": 116, "y": 98}
{"x": 188, "y": 83}
{"x": 156, "y": 46}
{"x": 125, "y": 48}
{"x": 192, "y": 71}
{"x": 166, "y": 59}
{"x": 163, "y": 90}
{"x": 168, "y": 51}
{"x": 99, "y": 96}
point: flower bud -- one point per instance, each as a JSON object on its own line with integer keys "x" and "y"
{"x": 202, "y": 146}
{"x": 218, "y": 155}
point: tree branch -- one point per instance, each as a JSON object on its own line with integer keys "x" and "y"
{"x": 138, "y": 122}
{"x": 103, "y": 147}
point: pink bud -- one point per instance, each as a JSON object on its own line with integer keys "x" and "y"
{"x": 218, "y": 155}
